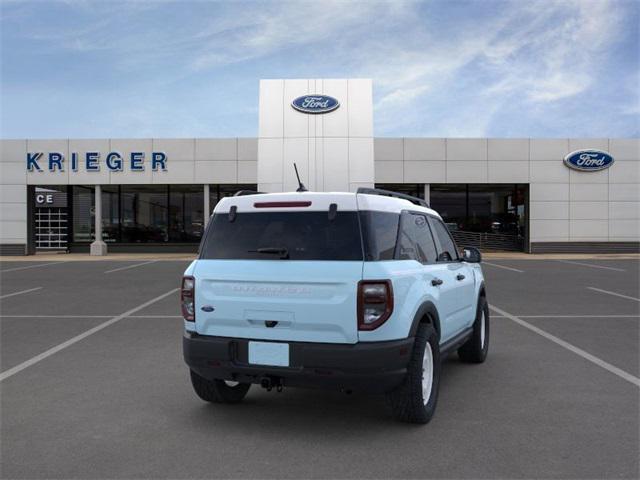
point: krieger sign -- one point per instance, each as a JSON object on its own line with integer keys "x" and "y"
{"x": 91, "y": 161}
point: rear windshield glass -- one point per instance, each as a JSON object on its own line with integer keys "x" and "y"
{"x": 283, "y": 235}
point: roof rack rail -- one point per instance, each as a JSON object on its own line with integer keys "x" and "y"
{"x": 389, "y": 193}
{"x": 242, "y": 193}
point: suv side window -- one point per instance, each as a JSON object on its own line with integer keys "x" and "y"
{"x": 379, "y": 234}
{"x": 414, "y": 239}
{"x": 447, "y": 250}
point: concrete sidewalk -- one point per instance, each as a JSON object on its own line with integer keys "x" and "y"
{"x": 75, "y": 257}
{"x": 71, "y": 257}
{"x": 558, "y": 256}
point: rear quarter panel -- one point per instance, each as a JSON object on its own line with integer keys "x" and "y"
{"x": 409, "y": 293}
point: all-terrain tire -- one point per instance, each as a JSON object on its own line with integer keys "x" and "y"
{"x": 476, "y": 348}
{"x": 218, "y": 391}
{"x": 408, "y": 401}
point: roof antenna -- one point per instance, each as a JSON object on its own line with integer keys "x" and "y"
{"x": 301, "y": 187}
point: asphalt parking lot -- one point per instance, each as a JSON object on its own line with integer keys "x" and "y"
{"x": 93, "y": 386}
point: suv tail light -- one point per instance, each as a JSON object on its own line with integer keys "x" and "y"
{"x": 375, "y": 303}
{"x": 187, "y": 298}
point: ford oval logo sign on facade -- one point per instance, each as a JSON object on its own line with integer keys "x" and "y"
{"x": 315, "y": 104}
{"x": 588, "y": 160}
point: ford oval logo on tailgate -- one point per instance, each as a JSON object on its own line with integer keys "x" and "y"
{"x": 315, "y": 104}
{"x": 588, "y": 160}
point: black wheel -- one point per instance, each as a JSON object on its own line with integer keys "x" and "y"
{"x": 476, "y": 348}
{"x": 415, "y": 400}
{"x": 218, "y": 391}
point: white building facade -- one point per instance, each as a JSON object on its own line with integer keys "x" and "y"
{"x": 157, "y": 194}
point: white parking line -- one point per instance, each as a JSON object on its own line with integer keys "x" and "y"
{"x": 502, "y": 266}
{"x": 38, "y": 358}
{"x": 592, "y": 266}
{"x": 572, "y": 348}
{"x": 33, "y": 266}
{"x": 613, "y": 293}
{"x": 20, "y": 292}
{"x": 130, "y": 266}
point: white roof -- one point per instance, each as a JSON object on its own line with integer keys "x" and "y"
{"x": 318, "y": 201}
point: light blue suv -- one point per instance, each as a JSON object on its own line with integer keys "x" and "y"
{"x": 361, "y": 291}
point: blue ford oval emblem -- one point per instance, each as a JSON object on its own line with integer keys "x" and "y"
{"x": 588, "y": 160}
{"x": 315, "y": 104}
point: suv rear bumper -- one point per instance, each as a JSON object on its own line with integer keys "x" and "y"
{"x": 371, "y": 367}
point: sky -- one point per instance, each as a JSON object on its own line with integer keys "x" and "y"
{"x": 93, "y": 69}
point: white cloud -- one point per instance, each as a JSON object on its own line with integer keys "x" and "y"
{"x": 538, "y": 53}
{"x": 435, "y": 70}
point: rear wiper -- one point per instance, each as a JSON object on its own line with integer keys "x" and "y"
{"x": 283, "y": 252}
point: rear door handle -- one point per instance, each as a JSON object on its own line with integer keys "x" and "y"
{"x": 436, "y": 281}
{"x": 460, "y": 277}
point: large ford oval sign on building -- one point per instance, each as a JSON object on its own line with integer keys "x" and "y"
{"x": 315, "y": 104}
{"x": 588, "y": 160}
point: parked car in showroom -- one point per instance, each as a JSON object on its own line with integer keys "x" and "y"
{"x": 361, "y": 291}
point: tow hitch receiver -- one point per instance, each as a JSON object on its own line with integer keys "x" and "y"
{"x": 270, "y": 383}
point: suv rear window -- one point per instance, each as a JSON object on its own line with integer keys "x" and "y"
{"x": 283, "y": 235}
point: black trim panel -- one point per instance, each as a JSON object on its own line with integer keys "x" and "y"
{"x": 139, "y": 247}
{"x": 364, "y": 366}
{"x": 455, "y": 342}
{"x": 13, "y": 249}
{"x": 425, "y": 308}
{"x": 585, "y": 247}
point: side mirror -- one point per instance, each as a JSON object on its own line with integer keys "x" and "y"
{"x": 472, "y": 255}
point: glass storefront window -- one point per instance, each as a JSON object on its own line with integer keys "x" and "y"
{"x": 413, "y": 189}
{"x": 450, "y": 201}
{"x": 186, "y": 213}
{"x": 486, "y": 215}
{"x": 83, "y": 212}
{"x": 83, "y": 200}
{"x": 480, "y": 208}
{"x": 144, "y": 214}
{"x": 494, "y": 210}
{"x": 216, "y": 192}
{"x": 110, "y": 214}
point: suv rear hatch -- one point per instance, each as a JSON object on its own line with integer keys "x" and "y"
{"x": 281, "y": 267}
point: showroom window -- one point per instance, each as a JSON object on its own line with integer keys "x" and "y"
{"x": 485, "y": 215}
{"x": 186, "y": 213}
{"x": 217, "y": 192}
{"x": 413, "y": 189}
{"x": 145, "y": 213}
{"x": 83, "y": 211}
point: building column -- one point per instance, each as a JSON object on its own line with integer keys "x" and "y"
{"x": 427, "y": 193}
{"x": 98, "y": 247}
{"x": 207, "y": 206}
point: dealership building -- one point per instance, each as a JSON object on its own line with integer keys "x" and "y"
{"x": 156, "y": 194}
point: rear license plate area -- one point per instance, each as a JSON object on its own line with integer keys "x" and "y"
{"x": 269, "y": 353}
